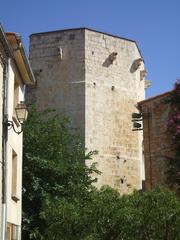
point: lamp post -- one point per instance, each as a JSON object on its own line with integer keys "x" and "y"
{"x": 21, "y": 114}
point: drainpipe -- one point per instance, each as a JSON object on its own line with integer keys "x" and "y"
{"x": 4, "y": 151}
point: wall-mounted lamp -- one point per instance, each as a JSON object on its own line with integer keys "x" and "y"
{"x": 21, "y": 114}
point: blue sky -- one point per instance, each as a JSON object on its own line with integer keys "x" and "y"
{"x": 154, "y": 24}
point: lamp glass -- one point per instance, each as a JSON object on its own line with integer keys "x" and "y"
{"x": 21, "y": 112}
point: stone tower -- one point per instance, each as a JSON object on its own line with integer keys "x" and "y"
{"x": 96, "y": 79}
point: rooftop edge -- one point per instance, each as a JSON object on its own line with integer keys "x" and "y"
{"x": 90, "y": 29}
{"x": 154, "y": 98}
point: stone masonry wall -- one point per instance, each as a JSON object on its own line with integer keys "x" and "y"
{"x": 76, "y": 77}
{"x": 157, "y": 143}
{"x": 58, "y": 62}
{"x": 112, "y": 92}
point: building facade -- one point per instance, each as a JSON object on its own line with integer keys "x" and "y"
{"x": 15, "y": 73}
{"x": 157, "y": 142}
{"x": 96, "y": 79}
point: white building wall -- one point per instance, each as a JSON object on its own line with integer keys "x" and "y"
{"x": 1, "y": 131}
{"x": 14, "y": 142}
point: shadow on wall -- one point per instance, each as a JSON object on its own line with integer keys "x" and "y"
{"x": 135, "y": 65}
{"x": 110, "y": 59}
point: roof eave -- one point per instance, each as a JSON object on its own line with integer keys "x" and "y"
{"x": 5, "y": 43}
{"x": 146, "y": 101}
{"x": 21, "y": 58}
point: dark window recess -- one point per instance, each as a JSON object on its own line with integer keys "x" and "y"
{"x": 71, "y": 36}
{"x": 122, "y": 181}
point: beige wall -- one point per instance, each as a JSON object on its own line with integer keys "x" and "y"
{"x": 1, "y": 129}
{"x": 14, "y": 142}
{"x": 61, "y": 83}
{"x": 18, "y": 70}
{"x": 108, "y": 126}
{"x": 98, "y": 97}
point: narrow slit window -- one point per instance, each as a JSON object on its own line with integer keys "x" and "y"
{"x": 14, "y": 176}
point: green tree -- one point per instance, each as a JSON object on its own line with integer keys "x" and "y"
{"x": 153, "y": 215}
{"x": 60, "y": 202}
{"x": 53, "y": 168}
{"x": 93, "y": 218}
{"x": 173, "y": 173}
{"x": 106, "y": 215}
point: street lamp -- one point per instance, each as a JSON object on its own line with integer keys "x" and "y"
{"x": 21, "y": 114}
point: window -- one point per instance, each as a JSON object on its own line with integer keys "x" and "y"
{"x": 9, "y": 234}
{"x": 12, "y": 231}
{"x": 14, "y": 177}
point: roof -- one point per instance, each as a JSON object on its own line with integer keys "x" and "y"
{"x": 20, "y": 57}
{"x": 154, "y": 98}
{"x": 5, "y": 44}
{"x": 93, "y": 30}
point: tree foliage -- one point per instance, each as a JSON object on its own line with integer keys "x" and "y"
{"x": 60, "y": 202}
{"x": 106, "y": 215}
{"x": 173, "y": 172}
{"x": 53, "y": 167}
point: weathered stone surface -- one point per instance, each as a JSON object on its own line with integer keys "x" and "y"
{"x": 157, "y": 142}
{"x": 98, "y": 92}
